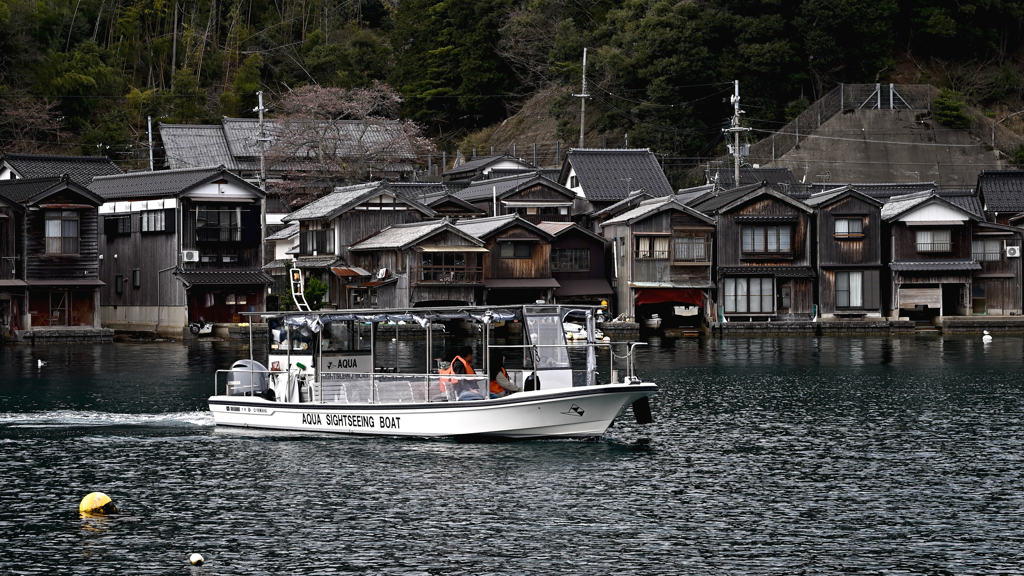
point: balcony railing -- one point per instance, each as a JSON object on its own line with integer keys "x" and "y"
{"x": 692, "y": 252}
{"x": 934, "y": 246}
{"x": 447, "y": 274}
{"x": 650, "y": 254}
{"x": 219, "y": 234}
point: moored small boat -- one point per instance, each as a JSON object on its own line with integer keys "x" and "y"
{"x": 324, "y": 376}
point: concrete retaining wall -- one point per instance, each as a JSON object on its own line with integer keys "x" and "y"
{"x": 976, "y": 324}
{"x": 64, "y": 335}
{"x": 823, "y": 328}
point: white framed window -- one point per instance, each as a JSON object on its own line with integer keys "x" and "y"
{"x": 850, "y": 289}
{"x": 154, "y": 220}
{"x": 750, "y": 295}
{"x": 849, "y": 228}
{"x": 767, "y": 239}
{"x": 987, "y": 250}
{"x": 934, "y": 241}
{"x": 61, "y": 232}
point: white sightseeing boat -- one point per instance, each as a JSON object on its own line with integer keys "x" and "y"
{"x": 325, "y": 375}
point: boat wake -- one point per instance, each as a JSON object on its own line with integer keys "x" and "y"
{"x": 70, "y": 418}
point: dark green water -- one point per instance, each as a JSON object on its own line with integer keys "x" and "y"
{"x": 768, "y": 456}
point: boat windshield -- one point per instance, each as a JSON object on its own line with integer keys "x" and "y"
{"x": 546, "y": 331}
{"x": 345, "y": 336}
{"x": 301, "y": 336}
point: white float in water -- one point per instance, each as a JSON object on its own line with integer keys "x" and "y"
{"x": 196, "y": 559}
{"x": 987, "y": 337}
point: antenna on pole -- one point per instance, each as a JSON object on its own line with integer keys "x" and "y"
{"x": 735, "y": 129}
{"x": 583, "y": 97}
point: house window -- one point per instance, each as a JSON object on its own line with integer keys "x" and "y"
{"x": 206, "y": 258}
{"x": 515, "y": 250}
{"x": 573, "y": 182}
{"x": 219, "y": 225}
{"x": 651, "y": 248}
{"x": 690, "y": 249}
{"x": 319, "y": 241}
{"x": 749, "y": 295}
{"x": 849, "y": 289}
{"x": 229, "y": 259}
{"x": 849, "y": 228}
{"x": 61, "y": 232}
{"x": 119, "y": 284}
{"x": 117, "y": 225}
{"x": 933, "y": 241}
{"x": 137, "y": 278}
{"x": 154, "y": 220}
{"x": 987, "y": 250}
{"x": 570, "y": 260}
{"x": 767, "y": 239}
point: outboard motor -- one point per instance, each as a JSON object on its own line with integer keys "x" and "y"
{"x": 248, "y": 378}
{"x": 201, "y": 328}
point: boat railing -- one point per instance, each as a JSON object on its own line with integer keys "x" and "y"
{"x": 397, "y": 388}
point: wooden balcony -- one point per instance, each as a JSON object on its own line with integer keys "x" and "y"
{"x": 441, "y": 275}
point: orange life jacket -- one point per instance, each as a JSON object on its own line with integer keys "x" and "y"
{"x": 495, "y": 387}
{"x": 450, "y": 370}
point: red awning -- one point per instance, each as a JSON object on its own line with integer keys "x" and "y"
{"x": 691, "y": 296}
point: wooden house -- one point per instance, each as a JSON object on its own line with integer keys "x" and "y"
{"x": 851, "y": 274}
{"x": 517, "y": 264}
{"x": 433, "y": 263}
{"x": 454, "y": 208}
{"x": 931, "y": 258}
{"x": 49, "y": 261}
{"x": 535, "y": 198}
{"x": 662, "y": 260}
{"x": 996, "y": 287}
{"x": 578, "y": 263}
{"x": 179, "y": 246}
{"x": 764, "y": 268}
{"x": 601, "y": 177}
{"x": 329, "y": 226}
{"x": 480, "y": 167}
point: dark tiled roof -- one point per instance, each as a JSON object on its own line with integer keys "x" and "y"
{"x": 448, "y": 198}
{"x": 934, "y": 266}
{"x": 482, "y": 228}
{"x": 223, "y": 277}
{"x": 419, "y": 190}
{"x": 153, "y": 184}
{"x": 285, "y": 233}
{"x": 634, "y": 198}
{"x": 81, "y": 169}
{"x": 649, "y": 207}
{"x": 481, "y": 162}
{"x": 318, "y": 261}
{"x": 898, "y": 205}
{"x": 401, "y": 235}
{"x": 21, "y": 190}
{"x": 710, "y": 204}
{"x": 1003, "y": 190}
{"x": 199, "y": 146}
{"x": 484, "y": 189}
{"x": 826, "y": 197}
{"x": 881, "y": 191}
{"x": 610, "y": 175}
{"x": 726, "y": 177}
{"x": 549, "y": 173}
{"x": 965, "y": 200}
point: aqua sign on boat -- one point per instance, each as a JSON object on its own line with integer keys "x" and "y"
{"x": 324, "y": 376}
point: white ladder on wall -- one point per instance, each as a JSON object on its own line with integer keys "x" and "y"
{"x": 297, "y": 290}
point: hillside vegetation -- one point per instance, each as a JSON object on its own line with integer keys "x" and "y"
{"x": 82, "y": 75}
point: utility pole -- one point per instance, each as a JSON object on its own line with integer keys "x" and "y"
{"x": 149, "y": 123}
{"x": 174, "y": 45}
{"x": 735, "y": 130}
{"x": 583, "y": 97}
{"x": 262, "y": 141}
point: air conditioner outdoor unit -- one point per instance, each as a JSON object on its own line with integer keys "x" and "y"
{"x": 190, "y": 255}
{"x": 1013, "y": 251}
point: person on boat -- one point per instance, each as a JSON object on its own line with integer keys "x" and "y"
{"x": 444, "y": 366}
{"x": 501, "y": 384}
{"x": 467, "y": 388}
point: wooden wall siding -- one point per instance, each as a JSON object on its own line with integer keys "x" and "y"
{"x": 597, "y": 256}
{"x": 801, "y": 295}
{"x": 1004, "y": 265}
{"x": 872, "y": 292}
{"x": 538, "y": 192}
{"x": 357, "y": 225}
{"x": 729, "y": 235}
{"x": 10, "y": 223}
{"x": 904, "y": 242}
{"x": 537, "y": 266}
{"x": 447, "y": 238}
{"x": 665, "y": 271}
{"x": 866, "y": 250}
{"x": 903, "y": 278}
{"x": 39, "y": 266}
{"x": 150, "y": 253}
{"x": 377, "y": 259}
{"x": 248, "y": 250}
{"x": 436, "y": 292}
{"x": 1000, "y": 295}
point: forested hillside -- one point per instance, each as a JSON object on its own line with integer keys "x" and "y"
{"x": 81, "y": 76}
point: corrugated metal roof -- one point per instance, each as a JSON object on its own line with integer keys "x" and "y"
{"x": 934, "y": 266}
{"x": 611, "y": 174}
{"x": 81, "y": 169}
{"x": 400, "y": 235}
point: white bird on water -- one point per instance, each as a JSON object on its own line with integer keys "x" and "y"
{"x": 41, "y": 363}
{"x": 987, "y": 337}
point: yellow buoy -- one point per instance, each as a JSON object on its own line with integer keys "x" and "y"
{"x": 97, "y": 503}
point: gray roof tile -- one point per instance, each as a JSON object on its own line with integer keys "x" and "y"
{"x": 1003, "y": 190}
{"x": 726, "y": 177}
{"x": 285, "y": 233}
{"x": 484, "y": 189}
{"x": 344, "y": 198}
{"x": 199, "y": 146}
{"x": 224, "y": 277}
{"x": 23, "y": 189}
{"x": 481, "y": 162}
{"x": 611, "y": 174}
{"x": 159, "y": 183}
{"x": 81, "y": 169}
{"x": 400, "y": 236}
{"x": 934, "y": 266}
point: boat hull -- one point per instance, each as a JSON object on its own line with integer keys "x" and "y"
{"x": 560, "y": 413}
